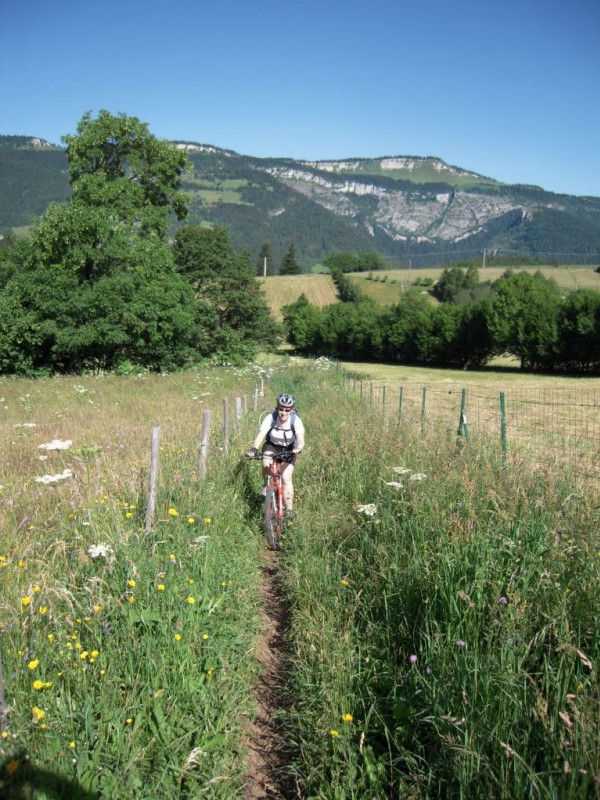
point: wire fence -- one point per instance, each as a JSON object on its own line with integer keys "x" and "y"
{"x": 544, "y": 426}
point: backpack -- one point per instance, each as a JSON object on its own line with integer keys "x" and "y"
{"x": 274, "y": 416}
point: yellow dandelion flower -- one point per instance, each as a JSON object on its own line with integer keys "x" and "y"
{"x": 33, "y": 664}
{"x": 97, "y": 609}
{"x": 83, "y": 655}
{"x": 129, "y": 720}
{"x": 333, "y": 732}
{"x": 345, "y": 582}
{"x": 191, "y": 520}
{"x": 131, "y": 583}
{"x": 95, "y": 653}
{"x": 72, "y": 745}
{"x": 177, "y": 637}
{"x": 191, "y": 581}
{"x": 160, "y": 587}
{"x": 207, "y": 520}
{"x": 50, "y": 637}
{"x": 47, "y": 685}
{"x": 128, "y": 515}
{"x": 4, "y": 735}
{"x": 347, "y": 717}
{"x": 205, "y": 636}
{"x": 38, "y": 713}
{"x": 173, "y": 512}
{"x": 25, "y": 601}
{"x": 36, "y": 590}
{"x": 38, "y": 685}
{"x": 191, "y": 600}
{"x": 131, "y": 599}
{"x": 102, "y": 672}
{"x": 43, "y": 609}
{"x": 21, "y": 563}
{"x": 78, "y": 646}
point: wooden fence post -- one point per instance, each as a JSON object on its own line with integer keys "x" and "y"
{"x": 225, "y": 425}
{"x": 503, "y": 428}
{"x": 423, "y": 409}
{"x": 238, "y": 412}
{"x": 204, "y": 445}
{"x": 153, "y": 483}
{"x": 255, "y": 399}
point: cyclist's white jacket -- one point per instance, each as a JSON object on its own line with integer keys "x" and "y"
{"x": 281, "y": 432}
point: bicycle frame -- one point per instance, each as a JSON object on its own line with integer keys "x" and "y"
{"x": 274, "y": 520}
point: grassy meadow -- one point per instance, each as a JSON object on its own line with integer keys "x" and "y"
{"x": 443, "y": 613}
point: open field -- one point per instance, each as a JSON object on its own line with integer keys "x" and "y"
{"x": 398, "y": 281}
{"x": 281, "y": 290}
{"x": 439, "y": 612}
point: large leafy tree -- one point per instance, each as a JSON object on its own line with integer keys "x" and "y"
{"x": 233, "y": 318}
{"x": 95, "y": 282}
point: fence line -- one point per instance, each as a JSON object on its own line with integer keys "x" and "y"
{"x": 544, "y": 426}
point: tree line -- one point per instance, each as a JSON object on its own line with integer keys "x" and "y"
{"x": 98, "y": 284}
{"x": 523, "y": 315}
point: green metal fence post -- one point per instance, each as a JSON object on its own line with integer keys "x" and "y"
{"x": 463, "y": 427}
{"x": 503, "y": 428}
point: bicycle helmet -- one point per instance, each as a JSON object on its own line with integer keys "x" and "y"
{"x": 286, "y": 401}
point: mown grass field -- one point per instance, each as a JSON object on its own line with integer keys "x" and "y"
{"x": 443, "y": 613}
{"x": 281, "y": 290}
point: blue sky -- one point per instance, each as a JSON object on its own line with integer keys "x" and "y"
{"x": 509, "y": 90}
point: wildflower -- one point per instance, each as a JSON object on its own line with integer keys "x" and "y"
{"x": 347, "y": 717}
{"x": 25, "y": 601}
{"x": 38, "y": 685}
{"x": 401, "y": 470}
{"x": 418, "y": 476}
{"x": 61, "y": 476}
{"x": 191, "y": 520}
{"x": 413, "y": 659}
{"x": 33, "y": 664}
{"x": 129, "y": 720}
{"x": 50, "y": 637}
{"x": 160, "y": 587}
{"x": 131, "y": 599}
{"x": 205, "y": 636}
{"x": 12, "y": 766}
{"x": 503, "y": 601}
{"x": 38, "y": 713}
{"x": 4, "y": 735}
{"x": 394, "y": 485}
{"x": 333, "y": 732}
{"x": 72, "y": 745}
{"x": 173, "y": 512}
{"x": 345, "y": 582}
{"x": 579, "y": 688}
{"x": 36, "y": 590}
{"x": 191, "y": 600}
{"x": 97, "y": 609}
{"x": 56, "y": 444}
{"x": 177, "y": 637}
{"x": 131, "y": 583}
{"x": 100, "y": 551}
{"x": 460, "y": 643}
{"x": 369, "y": 509}
{"x": 191, "y": 581}
{"x": 207, "y": 520}
{"x": 172, "y": 559}
{"x": 43, "y": 610}
{"x": 128, "y": 514}
{"x": 21, "y": 563}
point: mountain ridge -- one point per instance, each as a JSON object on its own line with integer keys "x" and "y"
{"x": 416, "y": 208}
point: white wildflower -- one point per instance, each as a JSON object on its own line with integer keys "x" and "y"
{"x": 369, "y": 509}
{"x": 25, "y": 425}
{"x": 100, "y": 551}
{"x": 418, "y": 476}
{"x": 394, "y": 484}
{"x": 56, "y": 444}
{"x": 66, "y": 473}
{"x": 401, "y": 470}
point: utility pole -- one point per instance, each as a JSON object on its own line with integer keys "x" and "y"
{"x": 483, "y": 265}
{"x": 265, "y": 267}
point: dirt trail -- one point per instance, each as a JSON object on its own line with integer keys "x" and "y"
{"x": 266, "y": 760}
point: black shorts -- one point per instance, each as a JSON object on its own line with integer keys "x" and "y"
{"x": 279, "y": 449}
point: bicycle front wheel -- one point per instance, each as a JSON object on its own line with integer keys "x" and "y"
{"x": 273, "y": 523}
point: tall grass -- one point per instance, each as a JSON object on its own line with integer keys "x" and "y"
{"x": 457, "y": 626}
{"x": 444, "y": 646}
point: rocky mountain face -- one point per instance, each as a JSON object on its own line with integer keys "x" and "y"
{"x": 404, "y": 207}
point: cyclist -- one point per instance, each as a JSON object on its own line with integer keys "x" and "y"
{"x": 283, "y": 432}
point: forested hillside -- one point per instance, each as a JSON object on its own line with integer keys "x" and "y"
{"x": 411, "y": 210}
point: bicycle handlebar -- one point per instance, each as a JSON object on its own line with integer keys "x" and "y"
{"x": 281, "y": 457}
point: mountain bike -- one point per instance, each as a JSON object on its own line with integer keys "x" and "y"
{"x": 274, "y": 519}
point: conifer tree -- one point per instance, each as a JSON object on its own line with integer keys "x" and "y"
{"x": 289, "y": 264}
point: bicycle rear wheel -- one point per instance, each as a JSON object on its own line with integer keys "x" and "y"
{"x": 273, "y": 525}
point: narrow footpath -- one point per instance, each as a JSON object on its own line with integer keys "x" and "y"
{"x": 266, "y": 760}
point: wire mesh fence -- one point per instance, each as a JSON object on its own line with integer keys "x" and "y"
{"x": 544, "y": 426}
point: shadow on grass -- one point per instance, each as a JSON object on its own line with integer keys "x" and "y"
{"x": 20, "y": 779}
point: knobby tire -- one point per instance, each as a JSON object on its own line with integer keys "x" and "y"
{"x": 273, "y": 525}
